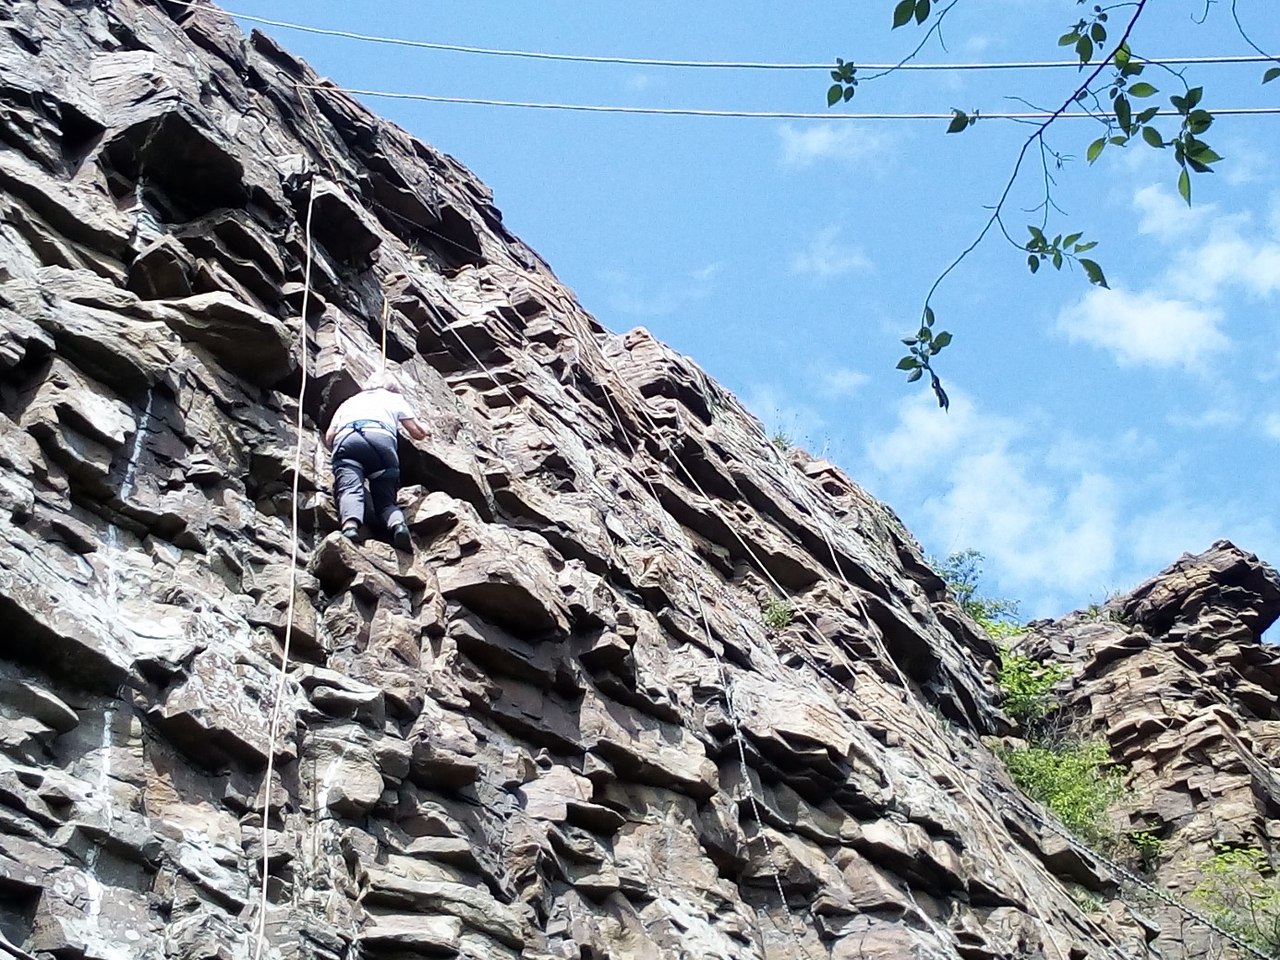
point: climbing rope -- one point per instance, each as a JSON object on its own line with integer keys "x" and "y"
{"x": 282, "y": 683}
{"x": 386, "y": 316}
{"x": 731, "y": 712}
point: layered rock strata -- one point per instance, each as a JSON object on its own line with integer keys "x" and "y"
{"x": 1175, "y": 678}
{"x": 562, "y": 727}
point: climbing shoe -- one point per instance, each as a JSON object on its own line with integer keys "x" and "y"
{"x": 400, "y": 536}
{"x": 351, "y": 530}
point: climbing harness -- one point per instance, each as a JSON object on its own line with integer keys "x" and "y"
{"x": 359, "y": 427}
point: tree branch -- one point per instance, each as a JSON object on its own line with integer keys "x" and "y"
{"x": 1038, "y": 135}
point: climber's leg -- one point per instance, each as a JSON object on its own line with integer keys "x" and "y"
{"x": 383, "y": 485}
{"x": 384, "y": 479}
{"x": 348, "y": 479}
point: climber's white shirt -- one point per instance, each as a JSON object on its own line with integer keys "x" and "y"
{"x": 384, "y": 406}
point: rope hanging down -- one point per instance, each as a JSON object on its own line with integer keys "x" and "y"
{"x": 282, "y": 683}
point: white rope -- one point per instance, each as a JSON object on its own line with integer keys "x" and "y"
{"x": 701, "y": 64}
{"x": 1030, "y": 115}
{"x": 746, "y": 771}
{"x": 282, "y": 684}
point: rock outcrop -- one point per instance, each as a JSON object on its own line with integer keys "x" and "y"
{"x": 562, "y": 727}
{"x": 1173, "y": 675}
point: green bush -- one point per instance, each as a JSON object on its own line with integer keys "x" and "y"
{"x": 776, "y": 614}
{"x": 1240, "y": 895}
{"x": 1025, "y": 684}
{"x": 1149, "y": 847}
{"x": 1078, "y": 782}
{"x": 961, "y": 572}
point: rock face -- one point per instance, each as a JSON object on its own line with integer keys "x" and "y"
{"x": 1174, "y": 677}
{"x": 562, "y": 727}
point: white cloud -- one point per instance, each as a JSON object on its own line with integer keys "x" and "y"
{"x": 843, "y": 382}
{"x": 828, "y": 256}
{"x": 846, "y": 141}
{"x": 1060, "y": 520}
{"x": 983, "y": 483}
{"x": 628, "y": 294}
{"x": 1215, "y": 418}
{"x": 1271, "y": 426}
{"x": 1229, "y": 259}
{"x": 1231, "y": 253}
{"x": 799, "y": 422}
{"x": 1164, "y": 214}
{"x": 1146, "y": 329}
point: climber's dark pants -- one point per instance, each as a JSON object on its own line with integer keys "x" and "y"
{"x": 366, "y": 453}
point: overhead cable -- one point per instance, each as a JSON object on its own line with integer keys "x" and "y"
{"x": 704, "y": 64}
{"x": 747, "y": 114}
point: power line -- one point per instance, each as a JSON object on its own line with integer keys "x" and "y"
{"x": 706, "y": 64}
{"x": 747, "y": 114}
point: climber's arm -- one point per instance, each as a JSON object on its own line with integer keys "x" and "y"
{"x": 414, "y": 428}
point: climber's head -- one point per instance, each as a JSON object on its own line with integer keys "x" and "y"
{"x": 383, "y": 380}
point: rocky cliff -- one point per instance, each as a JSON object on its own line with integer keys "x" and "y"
{"x": 646, "y": 688}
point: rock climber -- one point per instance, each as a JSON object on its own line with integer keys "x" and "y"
{"x": 362, "y": 438}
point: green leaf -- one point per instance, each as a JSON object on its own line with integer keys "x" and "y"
{"x": 1198, "y": 121}
{"x": 1033, "y": 263}
{"x": 848, "y": 93}
{"x": 1271, "y": 74}
{"x": 1147, "y": 115}
{"x": 943, "y": 400}
{"x": 1036, "y": 233}
{"x": 1123, "y": 113}
{"x": 908, "y": 363}
{"x": 1093, "y": 272}
{"x": 1184, "y": 185}
{"x": 1123, "y": 54}
{"x": 911, "y": 342}
{"x": 922, "y": 10}
{"x": 959, "y": 121}
{"x": 1082, "y": 247}
{"x": 1057, "y": 259}
{"x": 1142, "y": 89}
{"x": 1152, "y": 136}
{"x": 834, "y": 93}
{"x": 1193, "y": 96}
{"x": 928, "y": 316}
{"x": 1067, "y": 39}
{"x": 1099, "y": 33}
{"x": 1179, "y": 104}
{"x": 1095, "y": 149}
{"x": 1084, "y": 49}
{"x": 925, "y": 335}
{"x": 915, "y": 375}
{"x": 1072, "y": 239}
{"x": 903, "y": 12}
{"x": 941, "y": 340}
{"x": 1205, "y": 154}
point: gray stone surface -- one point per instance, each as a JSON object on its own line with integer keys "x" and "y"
{"x": 558, "y": 729}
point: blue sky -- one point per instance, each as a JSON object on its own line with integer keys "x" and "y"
{"x": 1093, "y": 435}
